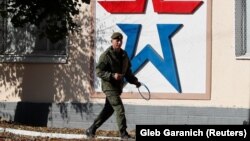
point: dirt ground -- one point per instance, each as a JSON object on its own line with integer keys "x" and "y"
{"x": 6, "y": 136}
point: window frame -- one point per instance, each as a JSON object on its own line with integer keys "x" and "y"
{"x": 242, "y": 49}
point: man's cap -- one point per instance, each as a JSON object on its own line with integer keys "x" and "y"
{"x": 116, "y": 35}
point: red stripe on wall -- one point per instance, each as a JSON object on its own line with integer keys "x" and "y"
{"x": 176, "y": 7}
{"x": 128, "y": 7}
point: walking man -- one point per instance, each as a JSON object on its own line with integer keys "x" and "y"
{"x": 113, "y": 66}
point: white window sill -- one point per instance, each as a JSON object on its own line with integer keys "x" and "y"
{"x": 33, "y": 59}
{"x": 244, "y": 57}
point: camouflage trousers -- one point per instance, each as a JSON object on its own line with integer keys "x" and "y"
{"x": 113, "y": 104}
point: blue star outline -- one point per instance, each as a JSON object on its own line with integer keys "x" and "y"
{"x": 166, "y": 65}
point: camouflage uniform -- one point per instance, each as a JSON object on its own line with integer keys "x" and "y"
{"x": 111, "y": 62}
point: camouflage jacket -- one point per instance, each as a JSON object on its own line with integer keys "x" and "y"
{"x": 111, "y": 62}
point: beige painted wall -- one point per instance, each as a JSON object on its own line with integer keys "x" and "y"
{"x": 71, "y": 82}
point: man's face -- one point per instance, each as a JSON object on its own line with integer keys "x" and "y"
{"x": 117, "y": 44}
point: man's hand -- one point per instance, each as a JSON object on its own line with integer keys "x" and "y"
{"x": 118, "y": 76}
{"x": 137, "y": 84}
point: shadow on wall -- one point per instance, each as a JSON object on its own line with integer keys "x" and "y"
{"x": 38, "y": 85}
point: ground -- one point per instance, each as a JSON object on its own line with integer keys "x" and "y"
{"x": 6, "y": 136}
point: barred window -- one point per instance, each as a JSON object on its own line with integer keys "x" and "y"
{"x": 25, "y": 45}
{"x": 242, "y": 29}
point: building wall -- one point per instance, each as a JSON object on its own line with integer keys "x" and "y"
{"x": 63, "y": 91}
{"x": 41, "y": 82}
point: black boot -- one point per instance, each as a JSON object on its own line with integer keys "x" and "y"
{"x": 90, "y": 132}
{"x": 125, "y": 135}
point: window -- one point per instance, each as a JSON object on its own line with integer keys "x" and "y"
{"x": 24, "y": 45}
{"x": 242, "y": 29}
{"x": 2, "y": 27}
